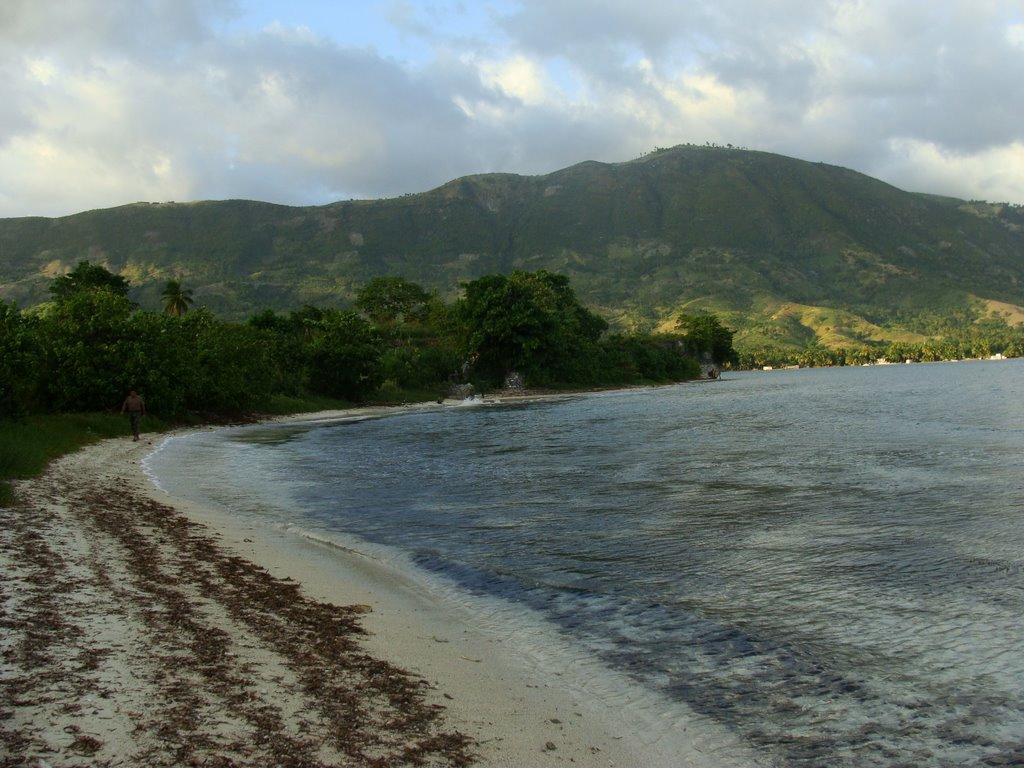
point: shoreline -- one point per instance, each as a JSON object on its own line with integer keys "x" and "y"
{"x": 513, "y": 709}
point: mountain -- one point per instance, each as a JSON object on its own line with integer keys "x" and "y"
{"x": 788, "y": 250}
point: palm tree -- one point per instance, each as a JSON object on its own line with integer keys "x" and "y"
{"x": 177, "y": 300}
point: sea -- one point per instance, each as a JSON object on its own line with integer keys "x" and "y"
{"x": 826, "y": 563}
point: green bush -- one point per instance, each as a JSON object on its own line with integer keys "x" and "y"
{"x": 232, "y": 369}
{"x": 529, "y": 322}
{"x": 636, "y": 359}
{"x": 345, "y": 357}
{"x": 86, "y": 339}
{"x": 423, "y": 366}
{"x": 20, "y": 361}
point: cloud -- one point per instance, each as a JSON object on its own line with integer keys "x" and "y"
{"x": 926, "y": 165}
{"x": 111, "y": 101}
{"x": 1015, "y": 34}
{"x": 521, "y": 78}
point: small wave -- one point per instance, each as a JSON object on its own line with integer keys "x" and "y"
{"x": 147, "y": 464}
{"x": 328, "y": 540}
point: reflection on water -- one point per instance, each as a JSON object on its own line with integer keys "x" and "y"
{"x": 827, "y": 561}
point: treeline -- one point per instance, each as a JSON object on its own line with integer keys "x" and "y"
{"x": 987, "y": 339}
{"x": 91, "y": 344}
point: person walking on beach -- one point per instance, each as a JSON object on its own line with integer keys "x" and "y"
{"x": 135, "y": 407}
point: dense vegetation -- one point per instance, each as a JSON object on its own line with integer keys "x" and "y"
{"x": 84, "y": 350}
{"x": 788, "y": 252}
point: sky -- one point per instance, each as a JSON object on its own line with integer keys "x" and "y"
{"x": 105, "y": 102}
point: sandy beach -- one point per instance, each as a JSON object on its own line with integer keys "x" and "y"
{"x": 143, "y": 630}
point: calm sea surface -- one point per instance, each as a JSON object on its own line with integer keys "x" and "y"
{"x": 827, "y": 562}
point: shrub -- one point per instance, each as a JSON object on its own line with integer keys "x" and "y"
{"x": 232, "y": 368}
{"x": 530, "y": 322}
{"x": 422, "y": 366}
{"x": 345, "y": 357}
{"x": 20, "y": 371}
{"x": 386, "y": 299}
{"x": 85, "y": 345}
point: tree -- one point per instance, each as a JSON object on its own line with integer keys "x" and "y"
{"x": 308, "y": 321}
{"x": 176, "y": 299}
{"x": 269, "y": 320}
{"x": 286, "y": 336}
{"x": 386, "y": 299}
{"x": 87, "y": 276}
{"x": 529, "y": 322}
{"x": 705, "y": 334}
{"x": 345, "y": 357}
{"x": 84, "y": 339}
{"x": 20, "y": 370}
{"x": 233, "y": 370}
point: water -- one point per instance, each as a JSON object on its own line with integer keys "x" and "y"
{"x": 827, "y": 562}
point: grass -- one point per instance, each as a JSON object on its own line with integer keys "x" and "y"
{"x": 28, "y": 445}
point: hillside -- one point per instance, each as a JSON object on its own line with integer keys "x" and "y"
{"x": 789, "y": 250}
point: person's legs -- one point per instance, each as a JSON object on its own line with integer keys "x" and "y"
{"x": 134, "y": 417}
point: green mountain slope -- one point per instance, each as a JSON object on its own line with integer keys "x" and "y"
{"x": 789, "y": 250}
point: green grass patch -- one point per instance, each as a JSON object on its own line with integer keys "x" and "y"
{"x": 28, "y": 445}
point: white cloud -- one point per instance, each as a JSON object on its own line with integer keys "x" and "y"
{"x": 109, "y": 101}
{"x": 41, "y": 70}
{"x": 520, "y": 77}
{"x": 927, "y": 166}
